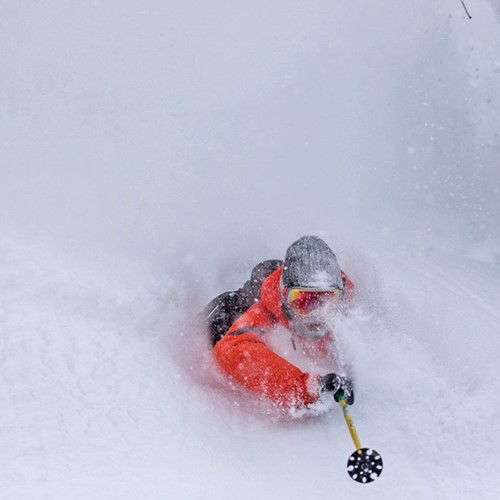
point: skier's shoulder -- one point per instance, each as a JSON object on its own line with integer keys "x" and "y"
{"x": 257, "y": 318}
{"x": 349, "y": 288}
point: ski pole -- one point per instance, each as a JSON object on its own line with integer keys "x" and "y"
{"x": 350, "y": 424}
{"x": 365, "y": 464}
{"x": 466, "y": 9}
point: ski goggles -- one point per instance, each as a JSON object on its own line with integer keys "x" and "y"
{"x": 304, "y": 301}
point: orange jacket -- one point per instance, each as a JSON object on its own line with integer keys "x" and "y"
{"x": 246, "y": 358}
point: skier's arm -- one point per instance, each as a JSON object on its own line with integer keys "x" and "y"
{"x": 244, "y": 356}
{"x": 248, "y": 361}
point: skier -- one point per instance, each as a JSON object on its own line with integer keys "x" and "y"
{"x": 277, "y": 320}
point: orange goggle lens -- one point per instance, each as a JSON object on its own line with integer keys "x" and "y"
{"x": 305, "y": 301}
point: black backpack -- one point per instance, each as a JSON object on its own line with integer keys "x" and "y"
{"x": 225, "y": 309}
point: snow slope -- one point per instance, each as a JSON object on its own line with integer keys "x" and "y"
{"x": 105, "y": 395}
{"x": 151, "y": 154}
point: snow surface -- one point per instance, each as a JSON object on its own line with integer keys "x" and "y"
{"x": 152, "y": 153}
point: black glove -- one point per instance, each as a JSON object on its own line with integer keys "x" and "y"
{"x": 337, "y": 385}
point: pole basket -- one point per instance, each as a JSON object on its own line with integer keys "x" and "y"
{"x": 365, "y": 465}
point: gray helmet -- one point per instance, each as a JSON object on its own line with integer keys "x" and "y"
{"x": 311, "y": 263}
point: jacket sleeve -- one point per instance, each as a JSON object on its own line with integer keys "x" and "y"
{"x": 244, "y": 356}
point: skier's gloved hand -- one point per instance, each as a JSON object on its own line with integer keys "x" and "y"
{"x": 337, "y": 385}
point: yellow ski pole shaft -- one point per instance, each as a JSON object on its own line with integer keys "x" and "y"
{"x": 350, "y": 425}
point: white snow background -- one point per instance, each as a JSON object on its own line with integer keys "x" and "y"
{"x": 152, "y": 152}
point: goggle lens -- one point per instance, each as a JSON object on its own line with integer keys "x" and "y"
{"x": 304, "y": 301}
